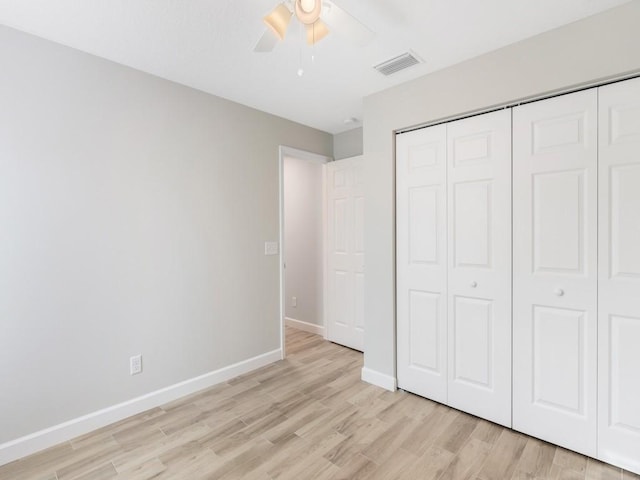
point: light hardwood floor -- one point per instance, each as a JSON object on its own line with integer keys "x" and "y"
{"x": 307, "y": 417}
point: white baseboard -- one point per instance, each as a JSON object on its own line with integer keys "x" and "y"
{"x": 379, "y": 379}
{"x": 306, "y": 326}
{"x": 34, "y": 442}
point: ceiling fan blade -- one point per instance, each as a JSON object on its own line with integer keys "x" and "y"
{"x": 345, "y": 24}
{"x": 316, "y": 31}
{"x": 267, "y": 42}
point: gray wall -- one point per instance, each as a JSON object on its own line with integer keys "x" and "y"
{"x": 133, "y": 215}
{"x": 347, "y": 144}
{"x": 598, "y": 47}
{"x": 303, "y": 235}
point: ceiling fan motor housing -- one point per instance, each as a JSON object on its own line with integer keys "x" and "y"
{"x": 308, "y": 11}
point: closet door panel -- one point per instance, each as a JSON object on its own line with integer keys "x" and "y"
{"x": 558, "y": 240}
{"x": 555, "y": 270}
{"x": 619, "y": 275}
{"x": 479, "y": 278}
{"x": 422, "y": 262}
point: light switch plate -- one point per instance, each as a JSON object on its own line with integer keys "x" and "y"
{"x": 270, "y": 248}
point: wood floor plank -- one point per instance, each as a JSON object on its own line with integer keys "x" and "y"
{"x": 285, "y": 456}
{"x": 106, "y": 471}
{"x": 504, "y": 456}
{"x": 325, "y": 424}
{"x": 295, "y": 420}
{"x": 431, "y": 465}
{"x": 396, "y": 470}
{"x": 314, "y": 467}
{"x": 425, "y": 432}
{"x": 41, "y": 464}
{"x": 565, "y": 473}
{"x": 144, "y": 471}
{"x": 405, "y": 404}
{"x": 358, "y": 467}
{"x": 196, "y": 463}
{"x": 307, "y": 417}
{"x": 383, "y": 446}
{"x": 487, "y": 432}
{"x": 597, "y": 470}
{"x": 467, "y": 463}
{"x": 129, "y": 459}
{"x": 570, "y": 460}
{"x": 94, "y": 467}
{"x": 457, "y": 434}
{"x": 536, "y": 461}
{"x": 359, "y": 436}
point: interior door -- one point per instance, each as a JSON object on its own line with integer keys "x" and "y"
{"x": 619, "y": 274}
{"x": 479, "y": 277}
{"x": 555, "y": 270}
{"x": 421, "y": 243}
{"x": 345, "y": 246}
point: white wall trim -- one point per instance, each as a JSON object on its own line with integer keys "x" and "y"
{"x": 379, "y": 379}
{"x": 286, "y": 151}
{"x": 34, "y": 442}
{"x": 305, "y": 326}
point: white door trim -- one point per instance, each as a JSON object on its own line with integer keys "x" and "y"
{"x": 285, "y": 151}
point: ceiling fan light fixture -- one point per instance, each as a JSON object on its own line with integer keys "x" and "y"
{"x": 316, "y": 32}
{"x": 278, "y": 20}
{"x": 308, "y": 11}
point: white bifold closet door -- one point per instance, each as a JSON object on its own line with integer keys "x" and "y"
{"x": 345, "y": 252}
{"x": 619, "y": 275}
{"x": 454, "y": 264}
{"x": 479, "y": 276}
{"x": 555, "y": 270}
{"x": 421, "y": 242}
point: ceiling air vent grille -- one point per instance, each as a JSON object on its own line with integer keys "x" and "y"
{"x": 398, "y": 63}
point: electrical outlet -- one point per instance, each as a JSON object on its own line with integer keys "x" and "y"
{"x": 270, "y": 248}
{"x": 135, "y": 365}
{"x": 294, "y": 301}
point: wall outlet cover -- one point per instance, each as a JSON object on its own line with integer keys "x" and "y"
{"x": 135, "y": 365}
{"x": 270, "y": 248}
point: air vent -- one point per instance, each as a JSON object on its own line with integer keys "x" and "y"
{"x": 398, "y": 63}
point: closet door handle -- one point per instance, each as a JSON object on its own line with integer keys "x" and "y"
{"x": 559, "y": 292}
{"x": 474, "y": 284}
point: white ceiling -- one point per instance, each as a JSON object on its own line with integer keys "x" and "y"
{"x": 207, "y": 44}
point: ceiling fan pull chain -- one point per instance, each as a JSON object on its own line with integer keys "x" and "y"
{"x": 300, "y": 69}
{"x": 313, "y": 45}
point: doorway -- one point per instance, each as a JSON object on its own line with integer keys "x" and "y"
{"x": 302, "y": 240}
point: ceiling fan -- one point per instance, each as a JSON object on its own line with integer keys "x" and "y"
{"x": 317, "y": 16}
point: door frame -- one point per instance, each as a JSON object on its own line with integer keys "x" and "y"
{"x": 286, "y": 151}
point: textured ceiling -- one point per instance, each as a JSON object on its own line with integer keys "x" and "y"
{"x": 207, "y": 44}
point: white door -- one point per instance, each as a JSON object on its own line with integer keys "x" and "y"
{"x": 555, "y": 270}
{"x": 619, "y": 275}
{"x": 421, "y": 232}
{"x": 479, "y": 277}
{"x": 345, "y": 247}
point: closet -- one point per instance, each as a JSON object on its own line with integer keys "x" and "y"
{"x": 518, "y": 268}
